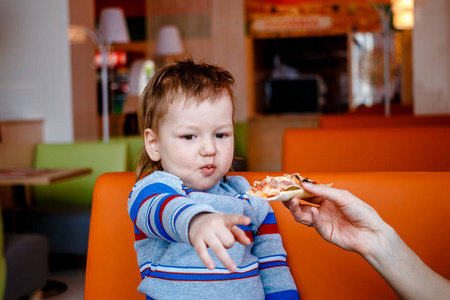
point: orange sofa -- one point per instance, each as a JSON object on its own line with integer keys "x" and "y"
{"x": 416, "y": 205}
{"x": 368, "y": 120}
{"x": 366, "y": 149}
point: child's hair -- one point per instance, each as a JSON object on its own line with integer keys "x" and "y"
{"x": 183, "y": 81}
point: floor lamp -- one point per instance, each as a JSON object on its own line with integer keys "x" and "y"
{"x": 112, "y": 28}
{"x": 385, "y": 18}
{"x": 169, "y": 45}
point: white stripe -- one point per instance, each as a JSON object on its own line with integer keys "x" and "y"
{"x": 204, "y": 270}
{"x": 145, "y": 266}
{"x": 173, "y": 219}
{"x": 272, "y": 258}
{"x": 152, "y": 215}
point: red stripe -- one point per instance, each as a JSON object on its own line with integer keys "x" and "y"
{"x": 164, "y": 205}
{"x": 249, "y": 235}
{"x": 139, "y": 236}
{"x": 267, "y": 229}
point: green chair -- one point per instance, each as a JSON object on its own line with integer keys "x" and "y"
{"x": 135, "y": 146}
{"x": 100, "y": 157}
{"x": 61, "y": 210}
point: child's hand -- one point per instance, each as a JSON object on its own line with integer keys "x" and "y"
{"x": 218, "y": 232}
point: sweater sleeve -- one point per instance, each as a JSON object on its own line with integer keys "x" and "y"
{"x": 274, "y": 270}
{"x": 160, "y": 210}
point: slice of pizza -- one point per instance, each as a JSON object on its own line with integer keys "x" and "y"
{"x": 281, "y": 188}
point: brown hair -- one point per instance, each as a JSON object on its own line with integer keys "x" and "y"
{"x": 183, "y": 81}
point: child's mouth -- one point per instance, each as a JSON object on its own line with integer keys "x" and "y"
{"x": 208, "y": 170}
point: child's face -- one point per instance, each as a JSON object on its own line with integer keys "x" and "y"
{"x": 195, "y": 143}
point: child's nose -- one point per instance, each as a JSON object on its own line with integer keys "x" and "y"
{"x": 208, "y": 147}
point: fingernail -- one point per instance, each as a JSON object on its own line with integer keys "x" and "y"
{"x": 233, "y": 268}
{"x": 307, "y": 184}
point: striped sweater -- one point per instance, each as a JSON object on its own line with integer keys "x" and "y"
{"x": 161, "y": 208}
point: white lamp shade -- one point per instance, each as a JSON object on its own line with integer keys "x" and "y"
{"x": 401, "y": 5}
{"x": 168, "y": 41}
{"x": 140, "y": 73}
{"x": 403, "y": 20}
{"x": 112, "y": 26}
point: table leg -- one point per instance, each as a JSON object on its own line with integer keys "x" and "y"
{"x": 20, "y": 209}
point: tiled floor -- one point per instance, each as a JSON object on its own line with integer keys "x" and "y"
{"x": 70, "y": 270}
{"x": 74, "y": 279}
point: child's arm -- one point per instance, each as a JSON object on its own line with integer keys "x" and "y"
{"x": 158, "y": 211}
{"x": 218, "y": 232}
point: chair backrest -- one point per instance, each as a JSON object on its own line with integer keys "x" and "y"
{"x": 366, "y": 149}
{"x": 363, "y": 120}
{"x": 112, "y": 270}
{"x": 100, "y": 157}
{"x": 320, "y": 270}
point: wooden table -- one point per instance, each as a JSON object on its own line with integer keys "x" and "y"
{"x": 20, "y": 179}
{"x": 27, "y": 177}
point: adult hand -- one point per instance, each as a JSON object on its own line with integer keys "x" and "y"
{"x": 218, "y": 232}
{"x": 339, "y": 217}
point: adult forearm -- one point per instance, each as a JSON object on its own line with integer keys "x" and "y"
{"x": 404, "y": 271}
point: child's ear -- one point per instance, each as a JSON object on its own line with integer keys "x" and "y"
{"x": 151, "y": 144}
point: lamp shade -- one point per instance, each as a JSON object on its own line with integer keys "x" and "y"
{"x": 401, "y": 5}
{"x": 168, "y": 41}
{"x": 140, "y": 73}
{"x": 112, "y": 26}
{"x": 403, "y": 20}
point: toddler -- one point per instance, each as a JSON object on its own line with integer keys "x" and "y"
{"x": 187, "y": 213}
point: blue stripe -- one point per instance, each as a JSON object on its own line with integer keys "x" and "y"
{"x": 158, "y": 221}
{"x": 243, "y": 227}
{"x": 155, "y": 188}
{"x": 203, "y": 277}
{"x": 146, "y": 273}
{"x": 188, "y": 191}
{"x": 176, "y": 217}
{"x": 270, "y": 219}
{"x": 272, "y": 264}
{"x": 148, "y": 214}
{"x": 285, "y": 295}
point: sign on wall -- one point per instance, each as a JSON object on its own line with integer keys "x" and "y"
{"x": 296, "y": 18}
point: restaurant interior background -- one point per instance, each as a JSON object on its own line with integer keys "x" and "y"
{"x": 330, "y": 62}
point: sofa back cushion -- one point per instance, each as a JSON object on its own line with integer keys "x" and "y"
{"x": 98, "y": 156}
{"x": 366, "y": 149}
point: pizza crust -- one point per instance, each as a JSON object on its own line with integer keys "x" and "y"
{"x": 288, "y": 195}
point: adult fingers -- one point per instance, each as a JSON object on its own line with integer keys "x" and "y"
{"x": 315, "y": 218}
{"x": 322, "y": 192}
{"x": 301, "y": 213}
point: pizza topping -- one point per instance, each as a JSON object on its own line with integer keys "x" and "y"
{"x": 272, "y": 186}
{"x": 281, "y": 188}
{"x": 307, "y": 179}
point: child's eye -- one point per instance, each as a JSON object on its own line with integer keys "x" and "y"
{"x": 188, "y": 137}
{"x": 220, "y": 135}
